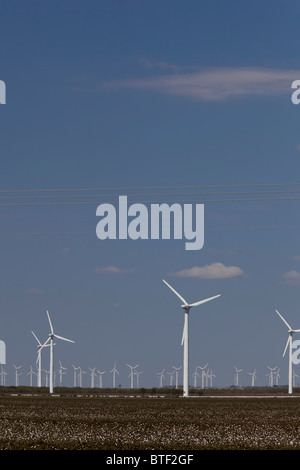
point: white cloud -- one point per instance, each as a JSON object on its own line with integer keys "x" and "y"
{"x": 112, "y": 270}
{"x": 291, "y": 278}
{"x": 211, "y": 271}
{"x": 214, "y": 83}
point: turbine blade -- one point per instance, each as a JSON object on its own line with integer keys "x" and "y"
{"x": 175, "y": 292}
{"x": 287, "y": 343}
{"x": 203, "y": 301}
{"x": 36, "y": 338}
{"x": 284, "y": 320}
{"x": 65, "y": 339}
{"x": 51, "y": 327}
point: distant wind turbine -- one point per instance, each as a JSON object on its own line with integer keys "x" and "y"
{"x": 161, "y": 377}
{"x": 289, "y": 343}
{"x": 176, "y": 375}
{"x": 132, "y": 368}
{"x": 185, "y": 336}
{"x": 253, "y": 377}
{"x": 16, "y": 374}
{"x": 100, "y": 377}
{"x": 114, "y": 371}
{"x": 237, "y": 371}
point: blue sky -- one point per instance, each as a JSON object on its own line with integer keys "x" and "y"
{"x": 138, "y": 94}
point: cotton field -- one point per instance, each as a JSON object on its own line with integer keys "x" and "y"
{"x": 153, "y": 424}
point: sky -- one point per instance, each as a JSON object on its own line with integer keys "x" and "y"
{"x": 149, "y": 99}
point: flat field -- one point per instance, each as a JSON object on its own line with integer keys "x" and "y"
{"x": 95, "y": 423}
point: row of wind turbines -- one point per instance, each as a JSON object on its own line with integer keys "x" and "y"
{"x": 185, "y": 342}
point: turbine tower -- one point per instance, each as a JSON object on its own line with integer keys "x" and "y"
{"x": 185, "y": 335}
{"x": 289, "y": 343}
{"x": 51, "y": 336}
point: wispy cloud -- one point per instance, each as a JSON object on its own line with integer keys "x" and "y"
{"x": 291, "y": 278}
{"x": 113, "y": 270}
{"x": 212, "y": 84}
{"x": 210, "y": 271}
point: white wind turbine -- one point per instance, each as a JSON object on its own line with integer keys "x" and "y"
{"x": 93, "y": 375}
{"x": 39, "y": 360}
{"x": 237, "y": 371}
{"x": 171, "y": 374}
{"x": 114, "y": 371}
{"x": 31, "y": 373}
{"x": 75, "y": 375}
{"x": 137, "y": 377}
{"x": 203, "y": 374}
{"x": 253, "y": 377}
{"x": 176, "y": 375}
{"x": 17, "y": 375}
{"x": 161, "y": 377}
{"x": 289, "y": 343}
{"x": 195, "y": 375}
{"x": 61, "y": 372}
{"x": 80, "y": 376}
{"x": 100, "y": 377}
{"x": 185, "y": 335}
{"x": 51, "y": 336}
{"x": 271, "y": 375}
{"x": 132, "y": 370}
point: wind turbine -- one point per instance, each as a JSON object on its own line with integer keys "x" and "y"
{"x": 253, "y": 377}
{"x": 61, "y": 372}
{"x": 237, "y": 371}
{"x": 17, "y": 375}
{"x": 75, "y": 376}
{"x": 185, "y": 335}
{"x": 272, "y": 371}
{"x": 203, "y": 374}
{"x": 100, "y": 377}
{"x": 51, "y": 336}
{"x": 137, "y": 377}
{"x": 195, "y": 375}
{"x": 31, "y": 373}
{"x": 92, "y": 376}
{"x": 80, "y": 376}
{"x": 39, "y": 360}
{"x": 131, "y": 374}
{"x": 289, "y": 343}
{"x": 171, "y": 374}
{"x": 161, "y": 377}
{"x": 114, "y": 371}
{"x": 176, "y": 375}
